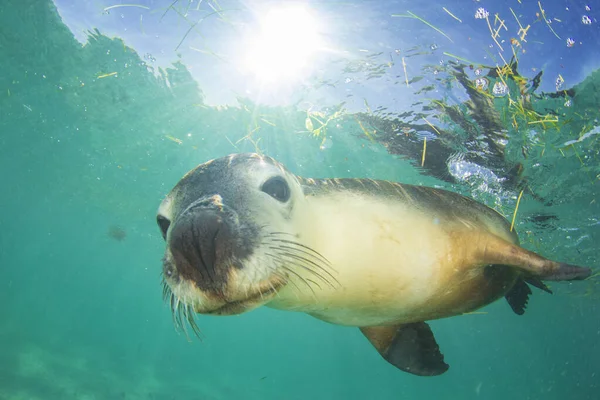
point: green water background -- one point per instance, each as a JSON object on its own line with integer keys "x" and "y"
{"x": 81, "y": 313}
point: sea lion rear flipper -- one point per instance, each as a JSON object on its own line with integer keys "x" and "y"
{"x": 409, "y": 347}
{"x": 518, "y": 296}
{"x": 533, "y": 281}
{"x": 495, "y": 250}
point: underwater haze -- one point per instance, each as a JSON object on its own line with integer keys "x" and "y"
{"x": 104, "y": 106}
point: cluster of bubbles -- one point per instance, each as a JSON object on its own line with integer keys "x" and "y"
{"x": 560, "y": 83}
{"x": 586, "y": 20}
{"x": 481, "y": 13}
{"x": 484, "y": 184}
{"x": 570, "y": 42}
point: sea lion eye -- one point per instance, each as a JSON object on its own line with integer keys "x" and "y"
{"x": 277, "y": 188}
{"x": 163, "y": 224}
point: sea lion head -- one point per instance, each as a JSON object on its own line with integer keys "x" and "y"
{"x": 228, "y": 225}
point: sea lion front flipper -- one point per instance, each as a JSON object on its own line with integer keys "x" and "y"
{"x": 409, "y": 347}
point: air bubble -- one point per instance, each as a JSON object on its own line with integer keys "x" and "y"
{"x": 327, "y": 143}
{"x": 500, "y": 89}
{"x": 482, "y": 83}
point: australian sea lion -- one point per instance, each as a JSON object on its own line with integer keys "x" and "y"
{"x": 242, "y": 231}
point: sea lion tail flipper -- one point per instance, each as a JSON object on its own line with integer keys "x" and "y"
{"x": 409, "y": 347}
{"x": 499, "y": 251}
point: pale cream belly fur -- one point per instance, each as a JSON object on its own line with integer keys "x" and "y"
{"x": 393, "y": 263}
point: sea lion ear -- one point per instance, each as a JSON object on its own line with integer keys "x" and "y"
{"x": 409, "y": 347}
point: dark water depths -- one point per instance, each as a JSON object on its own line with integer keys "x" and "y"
{"x": 86, "y": 158}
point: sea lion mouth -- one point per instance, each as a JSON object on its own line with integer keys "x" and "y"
{"x": 282, "y": 258}
{"x": 241, "y": 306}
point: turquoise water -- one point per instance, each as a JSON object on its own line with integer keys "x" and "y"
{"x": 93, "y": 136}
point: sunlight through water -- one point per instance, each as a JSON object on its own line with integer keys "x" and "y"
{"x": 284, "y": 45}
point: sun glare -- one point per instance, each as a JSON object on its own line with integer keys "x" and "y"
{"x": 284, "y": 46}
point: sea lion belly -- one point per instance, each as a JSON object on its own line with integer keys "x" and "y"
{"x": 392, "y": 261}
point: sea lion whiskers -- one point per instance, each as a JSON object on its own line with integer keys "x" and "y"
{"x": 248, "y": 281}
{"x": 185, "y": 313}
{"x": 176, "y": 308}
{"x": 280, "y": 275}
{"x": 291, "y": 271}
{"x": 297, "y": 290}
{"x": 251, "y": 288}
{"x": 289, "y": 246}
{"x": 300, "y": 261}
{"x": 191, "y": 319}
{"x": 176, "y": 313}
{"x": 276, "y": 265}
{"x": 299, "y": 253}
{"x": 311, "y": 281}
{"x": 179, "y": 315}
{"x": 281, "y": 263}
{"x": 310, "y": 251}
{"x": 166, "y": 290}
{"x": 287, "y": 256}
{"x": 275, "y": 268}
{"x": 179, "y": 310}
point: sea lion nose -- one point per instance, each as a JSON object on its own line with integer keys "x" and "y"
{"x": 193, "y": 241}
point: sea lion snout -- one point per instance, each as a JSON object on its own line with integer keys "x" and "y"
{"x": 193, "y": 240}
{"x": 202, "y": 242}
